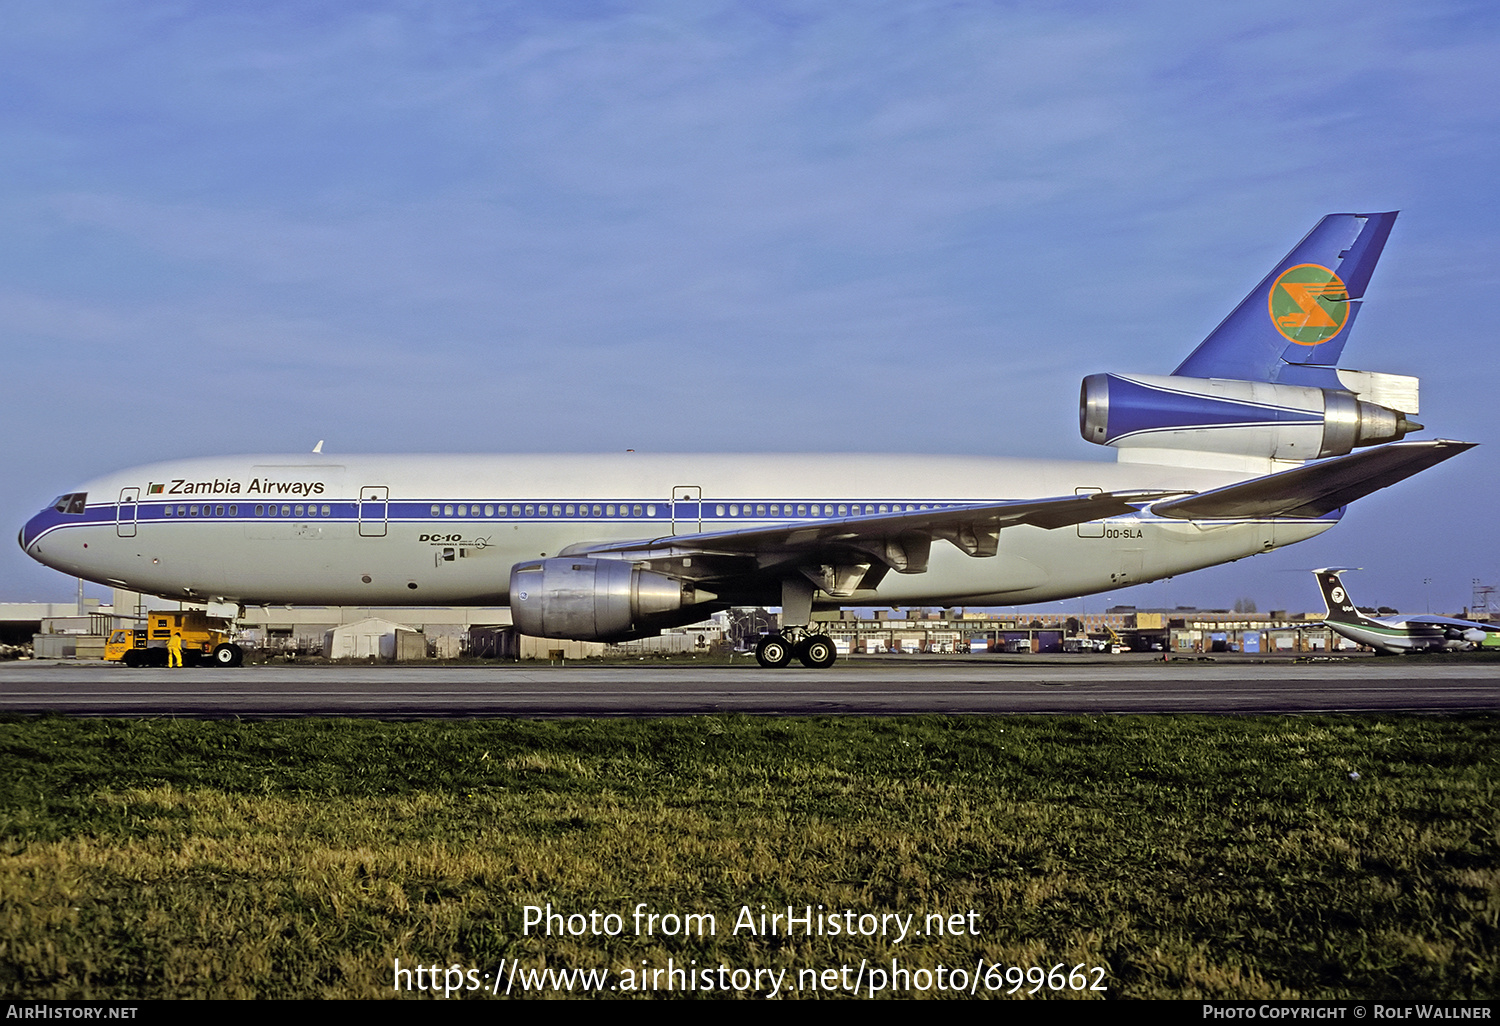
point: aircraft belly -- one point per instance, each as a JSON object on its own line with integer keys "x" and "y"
{"x": 1395, "y": 643}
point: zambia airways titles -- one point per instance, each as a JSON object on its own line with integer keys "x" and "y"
{"x": 219, "y": 486}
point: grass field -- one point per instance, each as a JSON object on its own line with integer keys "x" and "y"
{"x": 1315, "y": 856}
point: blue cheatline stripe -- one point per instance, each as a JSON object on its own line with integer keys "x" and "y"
{"x": 347, "y": 512}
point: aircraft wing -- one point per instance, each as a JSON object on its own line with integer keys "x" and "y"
{"x": 1316, "y": 489}
{"x": 851, "y": 552}
{"x": 1428, "y": 620}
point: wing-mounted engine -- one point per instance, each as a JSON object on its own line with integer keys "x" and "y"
{"x": 1165, "y": 418}
{"x": 588, "y": 599}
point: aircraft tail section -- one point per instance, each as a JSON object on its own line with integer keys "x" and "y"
{"x": 1301, "y": 314}
{"x": 1263, "y": 389}
{"x": 1341, "y": 608}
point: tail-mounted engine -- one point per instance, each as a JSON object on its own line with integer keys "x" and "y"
{"x": 1242, "y": 418}
{"x": 599, "y": 599}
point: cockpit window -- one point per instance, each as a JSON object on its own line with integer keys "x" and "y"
{"x": 73, "y": 502}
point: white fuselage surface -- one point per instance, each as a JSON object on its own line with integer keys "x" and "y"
{"x": 447, "y": 529}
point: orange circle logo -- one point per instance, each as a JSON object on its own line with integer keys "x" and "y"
{"x": 1309, "y": 304}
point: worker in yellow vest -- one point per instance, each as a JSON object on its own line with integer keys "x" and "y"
{"x": 174, "y": 649}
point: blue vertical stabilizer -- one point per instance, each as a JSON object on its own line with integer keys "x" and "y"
{"x": 1293, "y": 326}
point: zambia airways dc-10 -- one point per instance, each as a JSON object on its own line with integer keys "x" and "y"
{"x": 1247, "y": 446}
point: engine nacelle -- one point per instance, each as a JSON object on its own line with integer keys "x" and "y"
{"x": 587, "y": 599}
{"x": 1239, "y": 418}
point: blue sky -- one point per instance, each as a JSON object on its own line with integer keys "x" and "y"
{"x": 893, "y": 227}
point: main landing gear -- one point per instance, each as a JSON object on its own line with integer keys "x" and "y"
{"x": 816, "y": 651}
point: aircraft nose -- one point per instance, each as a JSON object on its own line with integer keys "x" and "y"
{"x": 29, "y": 532}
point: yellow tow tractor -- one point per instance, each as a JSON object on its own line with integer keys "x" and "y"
{"x": 205, "y": 640}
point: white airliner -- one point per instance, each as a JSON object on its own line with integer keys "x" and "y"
{"x": 1396, "y": 634}
{"x": 1213, "y": 464}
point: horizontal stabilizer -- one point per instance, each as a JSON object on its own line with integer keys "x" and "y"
{"x": 1314, "y": 490}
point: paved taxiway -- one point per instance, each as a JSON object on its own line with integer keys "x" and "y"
{"x": 876, "y": 687}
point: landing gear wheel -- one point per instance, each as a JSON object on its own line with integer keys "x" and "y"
{"x": 134, "y": 658}
{"x": 773, "y": 652}
{"x": 228, "y": 655}
{"x": 817, "y": 652}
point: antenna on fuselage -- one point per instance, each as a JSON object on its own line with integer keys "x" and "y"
{"x": 319, "y": 446}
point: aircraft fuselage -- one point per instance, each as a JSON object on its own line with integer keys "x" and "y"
{"x": 446, "y": 529}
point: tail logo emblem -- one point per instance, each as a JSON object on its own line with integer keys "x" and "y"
{"x": 1338, "y": 595}
{"x": 1309, "y": 304}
